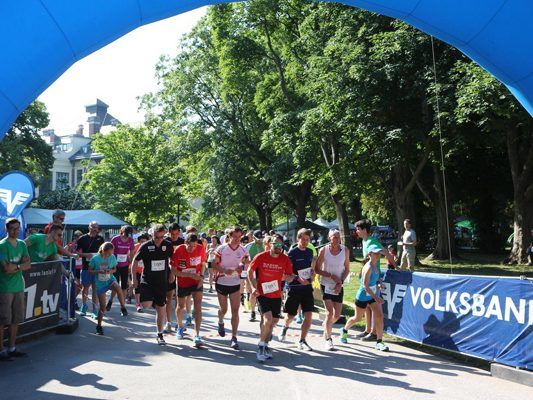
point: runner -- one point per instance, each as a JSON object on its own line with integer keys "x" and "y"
{"x": 174, "y": 236}
{"x": 333, "y": 266}
{"x": 188, "y": 266}
{"x": 210, "y": 260}
{"x": 300, "y": 289}
{"x": 143, "y": 237}
{"x": 189, "y": 301}
{"x": 155, "y": 255}
{"x": 123, "y": 244}
{"x": 88, "y": 245}
{"x": 270, "y": 268}
{"x": 231, "y": 258}
{"x": 362, "y": 228}
{"x": 103, "y": 265}
{"x": 368, "y": 295}
{"x": 253, "y": 248}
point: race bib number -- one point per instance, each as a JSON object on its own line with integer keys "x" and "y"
{"x": 158, "y": 265}
{"x": 189, "y": 270}
{"x": 330, "y": 289}
{"x": 103, "y": 277}
{"x": 79, "y": 263}
{"x": 305, "y": 273}
{"x": 140, "y": 264}
{"x": 244, "y": 274}
{"x": 374, "y": 289}
{"x": 121, "y": 258}
{"x": 270, "y": 287}
{"x": 211, "y": 257}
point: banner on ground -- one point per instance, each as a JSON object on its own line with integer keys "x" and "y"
{"x": 43, "y": 286}
{"x": 486, "y": 317}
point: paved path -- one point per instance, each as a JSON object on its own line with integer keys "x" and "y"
{"x": 126, "y": 363}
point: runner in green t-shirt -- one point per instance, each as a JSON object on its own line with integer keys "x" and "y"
{"x": 13, "y": 260}
{"x": 43, "y": 247}
{"x": 254, "y": 249}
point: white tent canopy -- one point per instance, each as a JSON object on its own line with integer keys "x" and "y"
{"x": 37, "y": 217}
{"x": 323, "y": 222}
{"x": 335, "y": 225}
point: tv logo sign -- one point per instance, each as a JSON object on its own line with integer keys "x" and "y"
{"x": 16, "y": 193}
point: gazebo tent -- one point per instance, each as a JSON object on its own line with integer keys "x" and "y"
{"x": 323, "y": 222}
{"x": 292, "y": 226}
{"x": 74, "y": 219}
{"x": 335, "y": 225}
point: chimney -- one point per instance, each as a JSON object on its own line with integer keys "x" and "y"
{"x": 97, "y": 114}
{"x": 79, "y": 131}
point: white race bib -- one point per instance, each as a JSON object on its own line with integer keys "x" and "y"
{"x": 121, "y": 258}
{"x": 244, "y": 274}
{"x": 305, "y": 273}
{"x": 374, "y": 289}
{"x": 189, "y": 270}
{"x": 158, "y": 265}
{"x": 140, "y": 264}
{"x": 330, "y": 289}
{"x": 103, "y": 277}
{"x": 79, "y": 263}
{"x": 211, "y": 257}
{"x": 270, "y": 287}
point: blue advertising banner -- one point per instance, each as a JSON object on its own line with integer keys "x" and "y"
{"x": 485, "y": 317}
{"x": 16, "y": 192}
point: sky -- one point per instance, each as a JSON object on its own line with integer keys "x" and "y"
{"x": 116, "y": 74}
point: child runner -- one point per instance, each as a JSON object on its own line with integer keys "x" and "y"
{"x": 103, "y": 265}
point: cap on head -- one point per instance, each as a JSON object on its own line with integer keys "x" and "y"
{"x": 258, "y": 234}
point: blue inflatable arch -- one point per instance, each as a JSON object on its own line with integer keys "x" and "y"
{"x": 41, "y": 39}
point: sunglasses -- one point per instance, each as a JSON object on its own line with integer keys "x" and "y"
{"x": 277, "y": 245}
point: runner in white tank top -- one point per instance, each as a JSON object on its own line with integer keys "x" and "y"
{"x": 333, "y": 266}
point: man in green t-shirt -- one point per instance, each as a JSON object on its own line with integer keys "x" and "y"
{"x": 254, "y": 249}
{"x": 14, "y": 259}
{"x": 363, "y": 228}
{"x": 43, "y": 247}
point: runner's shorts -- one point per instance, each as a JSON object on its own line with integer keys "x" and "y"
{"x": 299, "y": 297}
{"x": 11, "y": 308}
{"x": 87, "y": 278}
{"x": 156, "y": 294}
{"x": 227, "y": 290}
{"x": 336, "y": 298}
{"x": 186, "y": 291}
{"x": 267, "y": 304}
{"x": 121, "y": 275}
{"x": 364, "y": 303}
{"x": 171, "y": 286}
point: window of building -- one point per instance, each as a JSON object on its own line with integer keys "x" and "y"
{"x": 79, "y": 176}
{"x": 62, "y": 180}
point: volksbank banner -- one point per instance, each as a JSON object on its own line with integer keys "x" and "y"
{"x": 486, "y": 317}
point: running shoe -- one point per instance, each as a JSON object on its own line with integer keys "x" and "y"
{"x": 252, "y": 317}
{"x": 99, "y": 330}
{"x": 139, "y": 308}
{"x": 188, "y": 320}
{"x": 161, "y": 339}
{"x": 210, "y": 290}
{"x": 268, "y": 353}
{"x": 283, "y": 334}
{"x": 299, "y": 318}
{"x": 381, "y": 346}
{"x": 123, "y": 311}
{"x": 168, "y": 328}
{"x": 329, "y": 345}
{"x": 95, "y": 314}
{"x": 197, "y": 341}
{"x": 369, "y": 338}
{"x": 302, "y": 345}
{"x": 344, "y": 335}
{"x": 179, "y": 333}
{"x": 16, "y": 354}
{"x": 109, "y": 304}
{"x": 221, "y": 330}
{"x": 261, "y": 357}
{"x": 233, "y": 344}
{"x": 361, "y": 335}
{"x": 83, "y": 311}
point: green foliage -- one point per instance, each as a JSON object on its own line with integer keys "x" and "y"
{"x": 138, "y": 178}
{"x": 23, "y": 149}
{"x": 66, "y": 199}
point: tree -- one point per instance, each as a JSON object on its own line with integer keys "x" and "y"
{"x": 66, "y": 199}
{"x": 23, "y": 149}
{"x": 137, "y": 179}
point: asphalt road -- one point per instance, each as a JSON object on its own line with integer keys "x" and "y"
{"x": 127, "y": 363}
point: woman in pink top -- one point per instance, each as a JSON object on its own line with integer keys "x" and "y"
{"x": 123, "y": 251}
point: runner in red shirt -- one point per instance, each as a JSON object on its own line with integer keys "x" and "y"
{"x": 270, "y": 267}
{"x": 188, "y": 266}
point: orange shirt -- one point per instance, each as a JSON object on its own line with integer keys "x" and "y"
{"x": 192, "y": 262}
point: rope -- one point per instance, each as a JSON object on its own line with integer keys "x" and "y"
{"x": 443, "y": 168}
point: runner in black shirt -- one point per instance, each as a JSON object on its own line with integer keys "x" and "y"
{"x": 174, "y": 237}
{"x": 87, "y": 246}
{"x": 155, "y": 255}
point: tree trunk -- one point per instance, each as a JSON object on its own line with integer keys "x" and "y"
{"x": 262, "y": 215}
{"x": 445, "y": 237}
{"x": 268, "y": 215}
{"x": 356, "y": 210}
{"x": 342, "y": 217}
{"x": 520, "y": 154}
{"x": 403, "y": 195}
